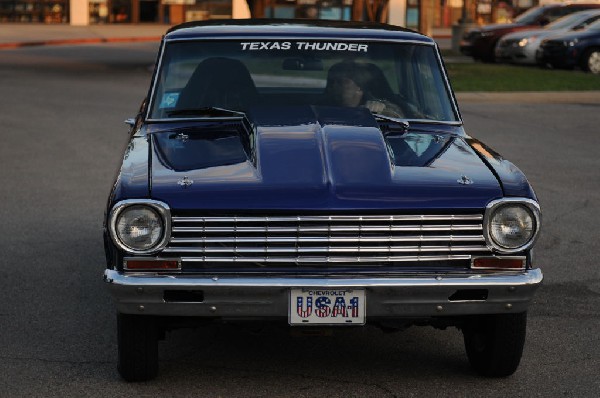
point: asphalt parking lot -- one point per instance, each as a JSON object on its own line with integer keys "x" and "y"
{"x": 62, "y": 138}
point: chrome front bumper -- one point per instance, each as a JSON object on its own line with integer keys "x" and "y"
{"x": 247, "y": 297}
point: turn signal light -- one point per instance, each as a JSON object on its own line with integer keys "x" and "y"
{"x": 509, "y": 263}
{"x": 151, "y": 265}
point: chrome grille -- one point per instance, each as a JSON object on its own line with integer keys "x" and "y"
{"x": 344, "y": 239}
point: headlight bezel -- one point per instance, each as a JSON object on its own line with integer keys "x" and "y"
{"x": 161, "y": 208}
{"x": 493, "y": 206}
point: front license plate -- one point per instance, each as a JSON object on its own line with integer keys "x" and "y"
{"x": 327, "y": 307}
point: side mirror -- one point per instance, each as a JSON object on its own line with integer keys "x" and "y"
{"x": 130, "y": 122}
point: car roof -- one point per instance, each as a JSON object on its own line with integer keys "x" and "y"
{"x": 280, "y": 28}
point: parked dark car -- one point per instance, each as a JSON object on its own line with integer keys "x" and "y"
{"x": 480, "y": 42}
{"x": 314, "y": 173}
{"x": 575, "y": 49}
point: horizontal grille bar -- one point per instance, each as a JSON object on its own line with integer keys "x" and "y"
{"x": 460, "y": 217}
{"x": 391, "y": 228}
{"x": 341, "y": 249}
{"x": 329, "y": 259}
{"x": 349, "y": 239}
{"x": 320, "y": 239}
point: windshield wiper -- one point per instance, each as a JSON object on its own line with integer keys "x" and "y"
{"x": 209, "y": 111}
{"x": 403, "y": 123}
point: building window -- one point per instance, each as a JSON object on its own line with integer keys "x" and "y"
{"x": 313, "y": 9}
{"x": 48, "y": 11}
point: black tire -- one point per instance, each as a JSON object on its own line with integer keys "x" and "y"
{"x": 591, "y": 61}
{"x": 138, "y": 347}
{"x": 494, "y": 343}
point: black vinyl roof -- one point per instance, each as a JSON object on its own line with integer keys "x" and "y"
{"x": 292, "y": 27}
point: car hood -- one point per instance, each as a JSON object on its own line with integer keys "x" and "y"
{"x": 498, "y": 26}
{"x": 317, "y": 159}
{"x": 528, "y": 33}
{"x": 581, "y": 35}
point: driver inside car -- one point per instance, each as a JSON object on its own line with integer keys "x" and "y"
{"x": 352, "y": 84}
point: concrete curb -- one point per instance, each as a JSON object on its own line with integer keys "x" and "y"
{"x": 6, "y": 46}
{"x": 532, "y": 97}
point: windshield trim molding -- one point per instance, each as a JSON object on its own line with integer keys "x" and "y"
{"x": 433, "y": 44}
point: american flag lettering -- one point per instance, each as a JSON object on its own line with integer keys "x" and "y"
{"x": 339, "y": 308}
{"x": 322, "y": 309}
{"x": 304, "y": 313}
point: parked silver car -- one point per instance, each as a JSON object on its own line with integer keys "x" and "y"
{"x": 521, "y": 47}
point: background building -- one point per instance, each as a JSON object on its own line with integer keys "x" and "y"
{"x": 420, "y": 15}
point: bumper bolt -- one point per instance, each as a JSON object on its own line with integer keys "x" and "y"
{"x": 213, "y": 309}
{"x": 439, "y": 308}
{"x": 508, "y": 306}
{"x": 141, "y": 308}
{"x": 140, "y": 290}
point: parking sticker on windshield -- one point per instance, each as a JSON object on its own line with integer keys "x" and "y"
{"x": 169, "y": 100}
{"x": 303, "y": 45}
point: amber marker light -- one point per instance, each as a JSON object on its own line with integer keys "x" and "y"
{"x": 151, "y": 265}
{"x": 508, "y": 263}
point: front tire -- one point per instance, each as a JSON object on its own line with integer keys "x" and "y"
{"x": 494, "y": 343}
{"x": 591, "y": 61}
{"x": 138, "y": 347}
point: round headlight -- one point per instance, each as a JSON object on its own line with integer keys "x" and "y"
{"x": 512, "y": 225}
{"x": 139, "y": 227}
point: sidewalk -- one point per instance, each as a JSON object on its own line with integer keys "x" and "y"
{"x": 531, "y": 97}
{"x": 23, "y": 35}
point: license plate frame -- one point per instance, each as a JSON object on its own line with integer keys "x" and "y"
{"x": 334, "y": 307}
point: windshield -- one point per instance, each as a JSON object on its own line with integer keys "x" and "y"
{"x": 566, "y": 22}
{"x": 594, "y": 26}
{"x": 397, "y": 80}
{"x": 530, "y": 16}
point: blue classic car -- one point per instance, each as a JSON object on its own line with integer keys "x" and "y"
{"x": 316, "y": 174}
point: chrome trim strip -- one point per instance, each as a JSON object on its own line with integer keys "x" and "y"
{"x": 157, "y": 73}
{"x": 298, "y": 36}
{"x": 456, "y": 217}
{"x": 524, "y": 278}
{"x": 162, "y": 209}
{"x": 493, "y": 205}
{"x": 397, "y": 228}
{"x": 320, "y": 239}
{"x": 326, "y": 260}
{"x": 341, "y": 249}
{"x": 442, "y": 65}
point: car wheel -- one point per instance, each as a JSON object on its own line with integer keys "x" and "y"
{"x": 591, "y": 60}
{"x": 138, "y": 347}
{"x": 494, "y": 343}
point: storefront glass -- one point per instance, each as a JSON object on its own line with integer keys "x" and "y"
{"x": 48, "y": 11}
{"x": 211, "y": 9}
{"x": 120, "y": 11}
{"x": 98, "y": 11}
{"x": 313, "y": 9}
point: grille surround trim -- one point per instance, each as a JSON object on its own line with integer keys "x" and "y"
{"x": 327, "y": 239}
